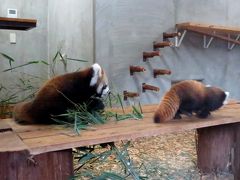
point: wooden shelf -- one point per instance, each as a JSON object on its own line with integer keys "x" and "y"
{"x": 231, "y": 35}
{"x": 39, "y": 139}
{"x": 17, "y": 23}
{"x": 208, "y": 28}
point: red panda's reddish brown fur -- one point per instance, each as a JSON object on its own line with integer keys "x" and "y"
{"x": 61, "y": 93}
{"x": 189, "y": 96}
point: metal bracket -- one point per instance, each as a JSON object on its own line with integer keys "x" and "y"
{"x": 205, "y": 43}
{"x": 178, "y": 40}
{"x": 231, "y": 46}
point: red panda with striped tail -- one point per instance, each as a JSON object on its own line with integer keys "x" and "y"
{"x": 187, "y": 97}
{"x": 61, "y": 93}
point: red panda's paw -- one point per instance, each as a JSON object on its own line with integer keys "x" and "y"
{"x": 203, "y": 114}
{"x": 157, "y": 118}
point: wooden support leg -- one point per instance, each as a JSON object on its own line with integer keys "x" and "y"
{"x": 236, "y": 164}
{"x": 48, "y": 166}
{"x": 215, "y": 148}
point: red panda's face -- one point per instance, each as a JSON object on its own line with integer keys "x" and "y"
{"x": 216, "y": 97}
{"x": 99, "y": 80}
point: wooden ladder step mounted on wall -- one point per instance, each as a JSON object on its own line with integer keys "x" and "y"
{"x": 151, "y": 54}
{"x": 134, "y": 69}
{"x": 127, "y": 94}
{"x": 157, "y": 72}
{"x": 163, "y": 44}
{"x": 149, "y": 87}
{"x": 171, "y": 35}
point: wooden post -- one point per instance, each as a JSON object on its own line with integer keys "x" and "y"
{"x": 236, "y": 163}
{"x": 215, "y": 148}
{"x": 48, "y": 166}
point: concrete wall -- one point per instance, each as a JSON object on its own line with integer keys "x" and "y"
{"x": 126, "y": 28}
{"x": 30, "y": 45}
{"x": 70, "y": 29}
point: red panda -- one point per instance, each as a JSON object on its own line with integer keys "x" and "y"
{"x": 61, "y": 93}
{"x": 189, "y": 97}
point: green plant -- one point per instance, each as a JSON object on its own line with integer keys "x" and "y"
{"x": 26, "y": 85}
{"x": 80, "y": 117}
{"x": 89, "y": 156}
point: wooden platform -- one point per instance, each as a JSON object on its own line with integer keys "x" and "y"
{"x": 17, "y": 23}
{"x": 40, "y": 139}
{"x": 218, "y": 143}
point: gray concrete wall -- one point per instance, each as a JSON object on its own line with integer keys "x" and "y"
{"x": 126, "y": 28}
{"x": 30, "y": 45}
{"x": 71, "y": 30}
{"x": 60, "y": 24}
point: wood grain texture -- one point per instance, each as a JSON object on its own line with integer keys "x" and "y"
{"x": 208, "y": 27}
{"x": 10, "y": 141}
{"x": 47, "y": 166}
{"x": 40, "y": 139}
{"x": 236, "y": 158}
{"x": 215, "y": 148}
{"x": 4, "y": 126}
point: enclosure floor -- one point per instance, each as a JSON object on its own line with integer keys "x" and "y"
{"x": 170, "y": 157}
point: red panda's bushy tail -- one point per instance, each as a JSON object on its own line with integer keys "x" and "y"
{"x": 167, "y": 107}
{"x": 20, "y": 113}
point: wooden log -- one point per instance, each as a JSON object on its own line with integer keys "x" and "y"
{"x": 48, "y": 166}
{"x": 147, "y": 55}
{"x": 149, "y": 87}
{"x": 215, "y": 147}
{"x": 134, "y": 69}
{"x": 127, "y": 95}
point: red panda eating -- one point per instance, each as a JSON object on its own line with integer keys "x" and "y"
{"x": 61, "y": 93}
{"x": 187, "y": 97}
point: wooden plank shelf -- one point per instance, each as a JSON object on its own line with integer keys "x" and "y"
{"x": 40, "y": 138}
{"x": 213, "y": 31}
{"x": 208, "y": 28}
{"x": 17, "y": 23}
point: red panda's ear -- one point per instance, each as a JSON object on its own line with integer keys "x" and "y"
{"x": 97, "y": 72}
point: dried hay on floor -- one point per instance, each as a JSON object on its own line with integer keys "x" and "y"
{"x": 170, "y": 157}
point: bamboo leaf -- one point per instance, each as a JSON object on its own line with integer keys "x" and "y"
{"x": 26, "y": 64}
{"x": 73, "y": 59}
{"x": 110, "y": 176}
{"x": 10, "y": 59}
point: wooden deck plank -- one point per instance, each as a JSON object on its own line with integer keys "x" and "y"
{"x": 4, "y": 126}
{"x": 10, "y": 142}
{"x": 208, "y": 27}
{"x": 40, "y": 138}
